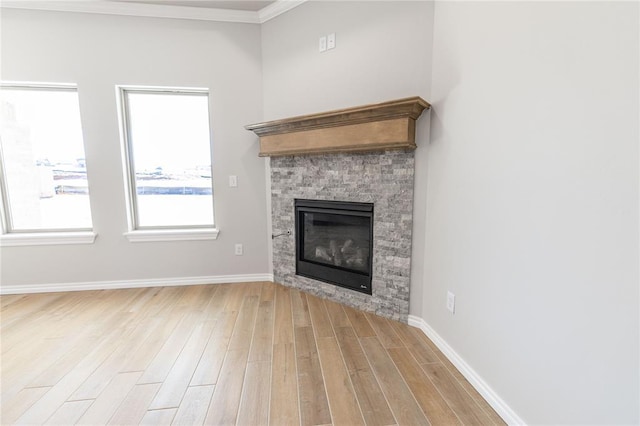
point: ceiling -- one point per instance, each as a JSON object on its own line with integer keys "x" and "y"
{"x": 252, "y": 6}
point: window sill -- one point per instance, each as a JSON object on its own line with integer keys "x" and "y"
{"x": 47, "y": 238}
{"x": 172, "y": 235}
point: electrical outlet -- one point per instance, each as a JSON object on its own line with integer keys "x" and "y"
{"x": 239, "y": 250}
{"x": 233, "y": 181}
{"x": 322, "y": 44}
{"x": 451, "y": 302}
{"x": 331, "y": 41}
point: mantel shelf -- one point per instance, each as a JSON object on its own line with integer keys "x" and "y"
{"x": 375, "y": 127}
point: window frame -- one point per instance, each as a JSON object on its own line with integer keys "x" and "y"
{"x": 137, "y": 233}
{"x": 38, "y": 236}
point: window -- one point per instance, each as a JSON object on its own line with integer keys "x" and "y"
{"x": 44, "y": 175}
{"x": 167, "y": 152}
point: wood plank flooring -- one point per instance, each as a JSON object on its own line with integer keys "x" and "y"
{"x": 227, "y": 354}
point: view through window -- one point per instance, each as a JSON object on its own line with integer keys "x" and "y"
{"x": 43, "y": 162}
{"x": 169, "y": 156}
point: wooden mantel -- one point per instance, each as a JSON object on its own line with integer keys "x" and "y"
{"x": 375, "y": 127}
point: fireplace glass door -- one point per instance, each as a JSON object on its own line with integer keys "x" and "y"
{"x": 334, "y": 242}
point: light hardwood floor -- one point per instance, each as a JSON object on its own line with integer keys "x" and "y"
{"x": 245, "y": 354}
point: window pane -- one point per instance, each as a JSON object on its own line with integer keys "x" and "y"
{"x": 171, "y": 156}
{"x": 43, "y": 160}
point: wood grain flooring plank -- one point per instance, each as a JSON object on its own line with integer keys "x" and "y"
{"x": 226, "y": 396}
{"x": 253, "y": 288}
{"x": 64, "y": 364}
{"x": 141, "y": 358}
{"x": 164, "y": 300}
{"x": 15, "y": 376}
{"x": 47, "y": 352}
{"x": 319, "y": 318}
{"x": 70, "y": 412}
{"x": 314, "y": 408}
{"x": 108, "y": 401}
{"x": 218, "y": 299}
{"x": 59, "y": 394}
{"x": 495, "y": 418}
{"x": 175, "y": 385}
{"x": 267, "y": 292}
{"x": 235, "y": 297}
{"x": 135, "y": 405}
{"x": 433, "y": 405}
{"x": 11, "y": 410}
{"x": 8, "y": 299}
{"x": 458, "y": 399}
{"x": 342, "y": 400}
{"x": 159, "y": 417}
{"x": 40, "y": 335}
{"x": 159, "y": 368}
{"x": 283, "y": 319}
{"x": 489, "y": 411}
{"x": 300, "y": 309}
{"x": 97, "y": 317}
{"x": 261, "y": 344}
{"x": 359, "y": 322}
{"x": 418, "y": 348}
{"x": 194, "y": 298}
{"x": 212, "y": 358}
{"x": 284, "y": 408}
{"x": 28, "y": 309}
{"x": 254, "y": 405}
{"x": 193, "y": 409}
{"x": 403, "y": 405}
{"x": 384, "y": 331}
{"x": 336, "y": 314}
{"x": 243, "y": 330}
{"x": 371, "y": 399}
{"x": 98, "y": 380}
{"x": 223, "y": 409}
{"x": 47, "y": 306}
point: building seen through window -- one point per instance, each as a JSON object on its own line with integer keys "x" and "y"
{"x": 44, "y": 173}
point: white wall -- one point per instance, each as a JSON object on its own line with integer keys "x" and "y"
{"x": 532, "y": 208}
{"x": 99, "y": 51}
{"x": 383, "y": 52}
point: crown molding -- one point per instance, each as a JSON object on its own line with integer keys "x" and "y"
{"x": 278, "y": 8}
{"x": 156, "y": 11}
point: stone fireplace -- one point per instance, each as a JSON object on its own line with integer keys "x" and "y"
{"x": 382, "y": 179}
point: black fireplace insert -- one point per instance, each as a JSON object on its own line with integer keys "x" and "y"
{"x": 334, "y": 242}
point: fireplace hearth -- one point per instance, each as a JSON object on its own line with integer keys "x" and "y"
{"x": 334, "y": 242}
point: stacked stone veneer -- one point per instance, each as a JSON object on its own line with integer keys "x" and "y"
{"x": 384, "y": 179}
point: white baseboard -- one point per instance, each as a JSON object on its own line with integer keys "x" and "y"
{"x": 155, "y": 282}
{"x": 497, "y": 403}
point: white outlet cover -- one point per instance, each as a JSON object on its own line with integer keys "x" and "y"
{"x": 331, "y": 41}
{"x": 451, "y": 302}
{"x": 322, "y": 44}
{"x": 233, "y": 181}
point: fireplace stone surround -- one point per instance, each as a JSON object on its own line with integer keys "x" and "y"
{"x": 361, "y": 155}
{"x": 384, "y": 179}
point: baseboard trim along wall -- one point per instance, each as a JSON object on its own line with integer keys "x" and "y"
{"x": 497, "y": 403}
{"x": 154, "y": 282}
